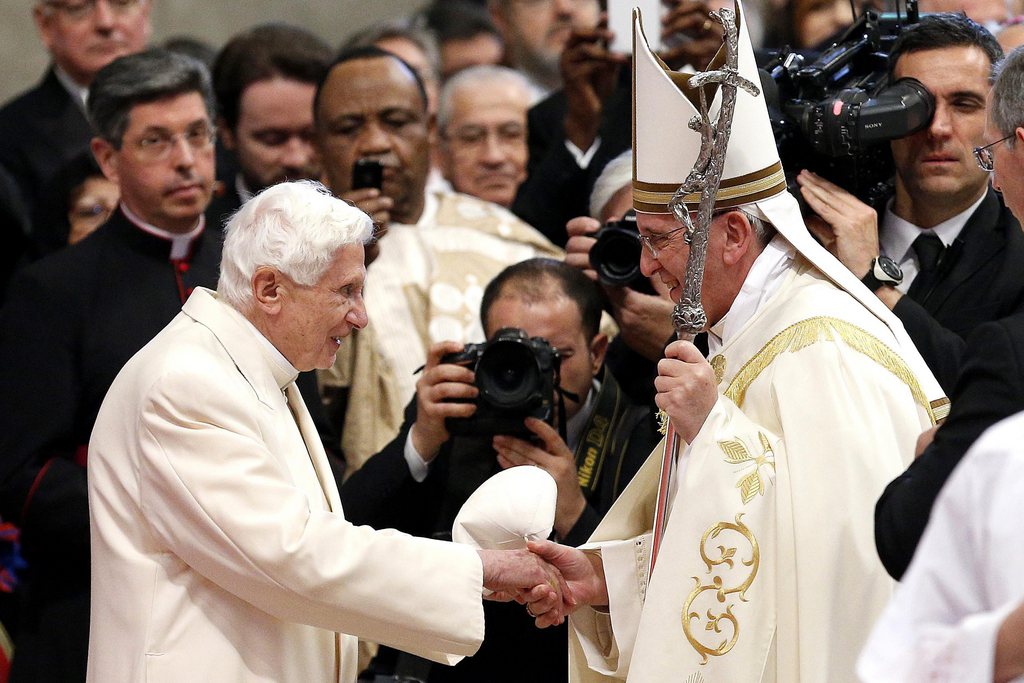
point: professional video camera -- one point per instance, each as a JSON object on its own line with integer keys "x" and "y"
{"x": 517, "y": 376}
{"x": 836, "y": 115}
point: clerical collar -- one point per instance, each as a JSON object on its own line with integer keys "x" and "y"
{"x": 574, "y": 427}
{"x": 286, "y": 369}
{"x": 79, "y": 93}
{"x": 181, "y": 243}
{"x": 897, "y": 236}
{"x": 762, "y": 281}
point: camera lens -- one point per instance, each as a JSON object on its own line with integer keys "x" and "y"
{"x": 616, "y": 255}
{"x": 508, "y": 376}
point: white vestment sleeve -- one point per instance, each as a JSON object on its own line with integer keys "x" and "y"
{"x": 607, "y": 637}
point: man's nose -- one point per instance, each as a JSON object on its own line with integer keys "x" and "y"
{"x": 297, "y": 153}
{"x": 942, "y": 122}
{"x": 647, "y": 262}
{"x": 357, "y": 315}
{"x": 102, "y": 16}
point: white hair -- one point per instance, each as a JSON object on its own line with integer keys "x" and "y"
{"x": 295, "y": 227}
{"x": 617, "y": 174}
{"x": 474, "y": 76}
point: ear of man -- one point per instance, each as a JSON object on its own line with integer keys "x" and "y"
{"x": 268, "y": 288}
{"x": 740, "y": 244}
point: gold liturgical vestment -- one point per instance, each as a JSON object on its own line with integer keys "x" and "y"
{"x": 768, "y": 571}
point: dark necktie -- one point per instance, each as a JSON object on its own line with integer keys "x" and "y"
{"x": 929, "y": 249}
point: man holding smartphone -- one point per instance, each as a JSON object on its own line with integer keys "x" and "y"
{"x": 440, "y": 250}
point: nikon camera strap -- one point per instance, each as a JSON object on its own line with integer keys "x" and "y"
{"x": 606, "y": 432}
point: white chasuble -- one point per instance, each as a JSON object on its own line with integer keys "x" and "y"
{"x": 768, "y": 570}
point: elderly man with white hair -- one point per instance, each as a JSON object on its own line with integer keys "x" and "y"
{"x": 220, "y": 547}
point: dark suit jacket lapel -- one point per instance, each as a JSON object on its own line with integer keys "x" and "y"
{"x": 981, "y": 240}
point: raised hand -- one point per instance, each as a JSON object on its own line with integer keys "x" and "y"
{"x": 687, "y": 389}
{"x": 556, "y": 459}
{"x": 848, "y": 227}
{"x": 440, "y": 381}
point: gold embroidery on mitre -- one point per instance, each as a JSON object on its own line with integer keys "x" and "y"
{"x": 823, "y": 328}
{"x": 709, "y": 597}
{"x": 718, "y": 365}
{"x": 736, "y": 453}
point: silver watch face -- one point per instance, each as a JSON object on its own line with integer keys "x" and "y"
{"x": 890, "y": 268}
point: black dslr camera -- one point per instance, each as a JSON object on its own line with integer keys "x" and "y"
{"x": 517, "y": 376}
{"x": 836, "y": 115}
{"x": 616, "y": 253}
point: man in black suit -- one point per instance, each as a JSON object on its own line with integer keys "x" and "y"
{"x": 265, "y": 79}
{"x": 957, "y": 245}
{"x": 602, "y": 444}
{"x": 46, "y": 126}
{"x": 71, "y": 320}
{"x": 991, "y": 385}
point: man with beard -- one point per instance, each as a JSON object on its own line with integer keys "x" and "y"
{"x": 535, "y": 33}
{"x": 74, "y": 318}
{"x": 956, "y": 243}
{"x": 265, "y": 79}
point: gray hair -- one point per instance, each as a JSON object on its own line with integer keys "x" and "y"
{"x": 295, "y": 227}
{"x": 140, "y": 78}
{"x": 474, "y": 76}
{"x": 617, "y": 174}
{"x": 1007, "y": 106}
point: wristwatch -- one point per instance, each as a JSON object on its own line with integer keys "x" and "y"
{"x": 883, "y": 271}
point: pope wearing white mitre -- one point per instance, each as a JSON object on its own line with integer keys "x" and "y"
{"x": 767, "y": 569}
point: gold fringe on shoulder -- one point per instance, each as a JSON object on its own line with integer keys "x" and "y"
{"x": 822, "y": 328}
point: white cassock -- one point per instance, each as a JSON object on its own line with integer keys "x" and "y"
{"x": 966, "y": 576}
{"x": 220, "y": 551}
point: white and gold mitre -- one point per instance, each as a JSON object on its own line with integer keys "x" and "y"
{"x": 665, "y": 148}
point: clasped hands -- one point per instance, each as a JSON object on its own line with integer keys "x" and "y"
{"x": 551, "y": 580}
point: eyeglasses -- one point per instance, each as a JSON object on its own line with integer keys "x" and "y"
{"x": 158, "y": 145}
{"x": 655, "y": 243}
{"x": 984, "y": 157}
{"x": 77, "y": 10}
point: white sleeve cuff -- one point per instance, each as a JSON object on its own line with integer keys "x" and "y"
{"x": 418, "y": 467}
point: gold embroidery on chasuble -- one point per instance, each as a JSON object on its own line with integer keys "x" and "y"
{"x": 718, "y": 365}
{"x": 752, "y": 483}
{"x": 822, "y": 328}
{"x": 731, "y": 554}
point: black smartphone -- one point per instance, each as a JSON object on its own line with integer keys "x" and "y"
{"x": 367, "y": 173}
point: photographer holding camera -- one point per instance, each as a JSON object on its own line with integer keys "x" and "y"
{"x": 945, "y": 255}
{"x": 607, "y": 438}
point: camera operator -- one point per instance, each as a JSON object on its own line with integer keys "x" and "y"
{"x": 945, "y": 257}
{"x": 545, "y": 298}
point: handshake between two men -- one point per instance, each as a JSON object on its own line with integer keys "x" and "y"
{"x": 552, "y": 580}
